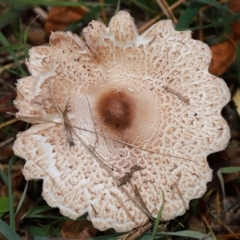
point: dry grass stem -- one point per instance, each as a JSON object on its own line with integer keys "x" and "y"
{"x": 6, "y": 142}
{"x": 155, "y": 19}
{"x": 64, "y": 118}
{"x": 180, "y": 195}
{"x": 167, "y": 10}
{"x": 123, "y": 206}
{"x": 103, "y": 12}
{"x": 8, "y": 84}
{"x": 41, "y": 13}
{"x": 177, "y": 94}
{"x": 10, "y": 65}
{"x": 140, "y": 200}
{"x": 136, "y": 233}
{"x": 9, "y": 122}
{"x": 208, "y": 226}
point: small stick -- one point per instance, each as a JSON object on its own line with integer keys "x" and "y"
{"x": 101, "y": 163}
{"x": 22, "y": 117}
{"x": 177, "y": 94}
{"x": 95, "y": 131}
{"x": 155, "y": 19}
{"x": 128, "y": 175}
{"x": 181, "y": 197}
{"x": 123, "y": 206}
{"x": 65, "y": 120}
{"x": 140, "y": 200}
{"x": 94, "y": 210}
{"x": 131, "y": 145}
{"x": 9, "y": 122}
{"x": 6, "y": 142}
{"x": 167, "y": 10}
{"x": 67, "y": 126}
{"x": 136, "y": 233}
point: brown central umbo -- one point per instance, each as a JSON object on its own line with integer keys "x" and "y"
{"x": 116, "y": 110}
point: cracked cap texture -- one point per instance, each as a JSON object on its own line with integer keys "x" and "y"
{"x": 144, "y": 102}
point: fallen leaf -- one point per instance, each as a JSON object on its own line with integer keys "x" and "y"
{"x": 236, "y": 99}
{"x": 223, "y": 55}
{"x": 197, "y": 225}
{"x": 234, "y": 6}
{"x": 60, "y": 17}
{"x": 78, "y": 230}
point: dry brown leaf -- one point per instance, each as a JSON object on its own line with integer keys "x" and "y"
{"x": 236, "y": 99}
{"x": 234, "y": 6}
{"x": 197, "y": 225}
{"x": 78, "y": 230}
{"x": 60, "y": 17}
{"x": 223, "y": 55}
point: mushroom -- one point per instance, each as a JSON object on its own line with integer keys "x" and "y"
{"x": 118, "y": 119}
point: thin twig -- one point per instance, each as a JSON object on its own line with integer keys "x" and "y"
{"x": 155, "y": 19}
{"x": 6, "y": 142}
{"x": 41, "y": 13}
{"x": 136, "y": 233}
{"x": 167, "y": 10}
{"x": 9, "y": 122}
{"x": 64, "y": 119}
{"x": 103, "y": 12}
{"x": 8, "y": 84}
{"x": 177, "y": 94}
{"x": 10, "y": 65}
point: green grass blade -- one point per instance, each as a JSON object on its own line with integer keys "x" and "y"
{"x": 25, "y": 35}
{"x": 10, "y": 195}
{"x": 27, "y": 30}
{"x": 12, "y": 47}
{"x": 143, "y": 6}
{"x": 230, "y": 169}
{"x": 118, "y": 6}
{"x": 4, "y": 206}
{"x": 187, "y": 233}
{"x": 3, "y": 176}
{"x": 46, "y": 231}
{"x": 226, "y": 170}
{"x": 158, "y": 218}
{"x": 44, "y": 216}
{"x": 221, "y": 22}
{"x": 38, "y": 237}
{"x": 22, "y": 198}
{"x": 56, "y": 3}
{"x": 10, "y": 15}
{"x": 8, "y": 232}
{"x": 214, "y": 3}
{"x": 5, "y": 43}
{"x": 37, "y": 210}
{"x": 220, "y": 177}
{"x": 148, "y": 236}
{"x": 87, "y": 18}
{"x": 187, "y": 17}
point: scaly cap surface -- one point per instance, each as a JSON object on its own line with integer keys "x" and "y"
{"x": 142, "y": 109}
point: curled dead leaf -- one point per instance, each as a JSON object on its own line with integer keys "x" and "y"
{"x": 60, "y": 17}
{"x": 234, "y": 6}
{"x": 223, "y": 55}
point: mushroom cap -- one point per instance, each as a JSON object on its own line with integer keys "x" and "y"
{"x": 143, "y": 113}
